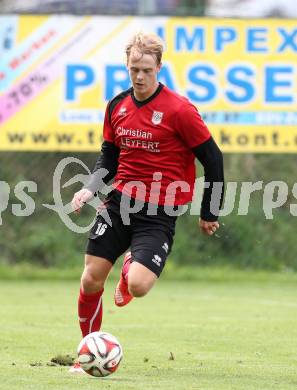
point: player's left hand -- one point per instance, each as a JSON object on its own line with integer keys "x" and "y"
{"x": 208, "y": 228}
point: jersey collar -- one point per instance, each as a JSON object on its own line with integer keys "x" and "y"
{"x": 140, "y": 103}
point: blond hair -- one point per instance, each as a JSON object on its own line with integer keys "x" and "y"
{"x": 141, "y": 44}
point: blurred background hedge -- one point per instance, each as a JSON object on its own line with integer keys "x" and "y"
{"x": 249, "y": 241}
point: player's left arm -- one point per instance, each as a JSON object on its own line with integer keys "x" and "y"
{"x": 197, "y": 137}
{"x": 211, "y": 158}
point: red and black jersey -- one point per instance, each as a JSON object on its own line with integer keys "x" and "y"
{"x": 155, "y": 138}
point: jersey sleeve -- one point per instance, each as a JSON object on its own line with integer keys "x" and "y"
{"x": 108, "y": 132}
{"x": 190, "y": 126}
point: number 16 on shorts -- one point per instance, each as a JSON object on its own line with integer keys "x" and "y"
{"x": 101, "y": 228}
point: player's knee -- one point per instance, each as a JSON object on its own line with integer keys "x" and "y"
{"x": 91, "y": 283}
{"x": 138, "y": 289}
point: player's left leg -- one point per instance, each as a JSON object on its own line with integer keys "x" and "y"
{"x": 135, "y": 281}
{"x": 122, "y": 295}
{"x": 140, "y": 279}
{"x": 151, "y": 243}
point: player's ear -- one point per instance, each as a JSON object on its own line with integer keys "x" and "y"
{"x": 159, "y": 66}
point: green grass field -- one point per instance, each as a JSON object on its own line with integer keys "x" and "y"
{"x": 223, "y": 335}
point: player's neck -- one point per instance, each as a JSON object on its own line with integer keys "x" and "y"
{"x": 141, "y": 97}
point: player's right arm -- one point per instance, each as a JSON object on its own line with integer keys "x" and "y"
{"x": 105, "y": 168}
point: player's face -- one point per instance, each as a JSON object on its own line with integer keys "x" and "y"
{"x": 143, "y": 73}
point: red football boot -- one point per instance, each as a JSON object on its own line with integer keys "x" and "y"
{"x": 121, "y": 295}
{"x": 76, "y": 369}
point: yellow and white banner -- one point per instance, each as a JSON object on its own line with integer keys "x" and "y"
{"x": 58, "y": 72}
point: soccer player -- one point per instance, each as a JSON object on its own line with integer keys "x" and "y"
{"x": 151, "y": 137}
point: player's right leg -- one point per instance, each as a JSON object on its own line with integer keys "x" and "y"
{"x": 107, "y": 241}
{"x": 90, "y": 297}
{"x": 91, "y": 289}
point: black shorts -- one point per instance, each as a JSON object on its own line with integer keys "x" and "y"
{"x": 149, "y": 236}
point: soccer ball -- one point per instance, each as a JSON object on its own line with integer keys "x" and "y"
{"x": 99, "y": 354}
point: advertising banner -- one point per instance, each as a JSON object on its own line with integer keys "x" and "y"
{"x": 58, "y": 72}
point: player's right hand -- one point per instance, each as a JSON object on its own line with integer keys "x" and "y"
{"x": 80, "y": 198}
